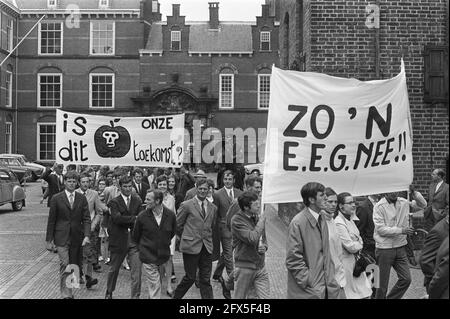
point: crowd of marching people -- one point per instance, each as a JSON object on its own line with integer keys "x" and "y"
{"x": 137, "y": 218}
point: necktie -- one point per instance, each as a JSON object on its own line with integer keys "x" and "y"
{"x": 319, "y": 224}
{"x": 71, "y": 200}
{"x": 231, "y": 194}
{"x": 139, "y": 188}
{"x": 203, "y": 210}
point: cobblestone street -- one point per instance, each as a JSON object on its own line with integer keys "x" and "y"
{"x": 28, "y": 271}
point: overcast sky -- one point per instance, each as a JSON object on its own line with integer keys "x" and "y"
{"x": 229, "y": 10}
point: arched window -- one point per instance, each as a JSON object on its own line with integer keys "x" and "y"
{"x": 101, "y": 88}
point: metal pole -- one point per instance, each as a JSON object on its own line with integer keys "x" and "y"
{"x": 26, "y": 35}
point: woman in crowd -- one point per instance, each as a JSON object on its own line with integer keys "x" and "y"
{"x": 211, "y": 185}
{"x": 172, "y": 185}
{"x": 356, "y": 287}
{"x": 169, "y": 202}
{"x": 335, "y": 241}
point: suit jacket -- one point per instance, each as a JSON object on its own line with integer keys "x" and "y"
{"x": 143, "y": 192}
{"x": 223, "y": 203}
{"x": 191, "y": 193}
{"x": 366, "y": 226}
{"x": 54, "y": 185}
{"x": 193, "y": 229}
{"x": 96, "y": 207}
{"x": 430, "y": 247}
{"x": 308, "y": 259}
{"x": 154, "y": 240}
{"x": 68, "y": 226}
{"x": 439, "y": 283}
{"x": 437, "y": 202}
{"x": 122, "y": 222}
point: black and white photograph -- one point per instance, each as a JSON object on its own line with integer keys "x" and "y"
{"x": 224, "y": 149}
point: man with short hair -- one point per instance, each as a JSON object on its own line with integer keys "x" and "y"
{"x": 139, "y": 186}
{"x": 250, "y": 245}
{"x": 200, "y": 175}
{"x": 311, "y": 273}
{"x": 68, "y": 228}
{"x": 195, "y": 220}
{"x": 124, "y": 210}
{"x": 437, "y": 200}
{"x": 153, "y": 232}
{"x": 391, "y": 220}
{"x": 223, "y": 199}
{"x": 96, "y": 209}
{"x": 55, "y": 179}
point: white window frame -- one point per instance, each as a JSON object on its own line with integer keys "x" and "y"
{"x": 113, "y": 90}
{"x": 172, "y": 36}
{"x": 91, "y": 38}
{"x": 38, "y": 141}
{"x": 52, "y": 4}
{"x": 154, "y": 6}
{"x": 221, "y": 76}
{"x": 39, "y": 91}
{"x": 102, "y": 5}
{"x": 9, "y": 89}
{"x": 8, "y": 137}
{"x": 40, "y": 39}
{"x": 259, "y": 90}
{"x": 261, "y": 40}
{"x": 10, "y": 35}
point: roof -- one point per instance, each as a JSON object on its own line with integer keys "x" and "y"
{"x": 11, "y": 3}
{"x": 82, "y": 4}
{"x": 230, "y": 38}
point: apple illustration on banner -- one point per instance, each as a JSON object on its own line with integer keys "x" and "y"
{"x": 112, "y": 141}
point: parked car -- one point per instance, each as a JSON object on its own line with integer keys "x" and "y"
{"x": 22, "y": 173}
{"x": 10, "y": 189}
{"x": 257, "y": 168}
{"x": 36, "y": 169}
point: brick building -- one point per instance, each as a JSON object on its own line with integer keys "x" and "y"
{"x": 346, "y": 38}
{"x": 118, "y": 58}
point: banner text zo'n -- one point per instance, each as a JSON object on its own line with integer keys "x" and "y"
{"x": 346, "y": 134}
{"x": 129, "y": 141}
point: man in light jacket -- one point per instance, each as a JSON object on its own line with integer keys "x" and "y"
{"x": 311, "y": 273}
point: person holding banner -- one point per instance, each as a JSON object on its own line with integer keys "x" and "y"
{"x": 437, "y": 200}
{"x": 311, "y": 273}
{"x": 352, "y": 243}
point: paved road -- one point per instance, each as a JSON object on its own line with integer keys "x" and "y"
{"x": 28, "y": 271}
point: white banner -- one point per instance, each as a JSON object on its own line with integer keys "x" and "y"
{"x": 346, "y": 134}
{"x": 127, "y": 141}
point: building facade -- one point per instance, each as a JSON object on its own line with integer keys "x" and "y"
{"x": 118, "y": 58}
{"x": 366, "y": 41}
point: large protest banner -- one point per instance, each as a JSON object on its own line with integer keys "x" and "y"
{"x": 347, "y": 134}
{"x": 130, "y": 141}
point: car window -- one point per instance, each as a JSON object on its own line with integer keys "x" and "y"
{"x": 13, "y": 161}
{"x": 21, "y": 161}
{"x": 3, "y": 161}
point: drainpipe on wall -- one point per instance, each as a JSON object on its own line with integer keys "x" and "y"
{"x": 377, "y": 46}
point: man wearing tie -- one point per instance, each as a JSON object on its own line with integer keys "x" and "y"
{"x": 124, "y": 210}
{"x": 223, "y": 199}
{"x": 194, "y": 225}
{"x": 68, "y": 222}
{"x": 53, "y": 176}
{"x": 139, "y": 186}
{"x": 437, "y": 200}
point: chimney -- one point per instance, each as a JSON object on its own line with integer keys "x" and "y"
{"x": 214, "y": 15}
{"x": 265, "y": 10}
{"x": 175, "y": 10}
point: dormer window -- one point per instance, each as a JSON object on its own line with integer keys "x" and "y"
{"x": 175, "y": 40}
{"x": 103, "y": 4}
{"x": 52, "y": 4}
{"x": 265, "y": 41}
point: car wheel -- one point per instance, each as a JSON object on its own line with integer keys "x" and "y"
{"x": 16, "y": 206}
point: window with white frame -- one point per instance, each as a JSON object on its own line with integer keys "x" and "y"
{"x": 102, "y": 39}
{"x": 101, "y": 90}
{"x": 52, "y": 4}
{"x": 49, "y": 90}
{"x": 103, "y": 4}
{"x": 265, "y": 40}
{"x": 154, "y": 6}
{"x": 8, "y": 84}
{"x": 9, "y": 35}
{"x": 175, "y": 40}
{"x": 8, "y": 137}
{"x": 51, "y": 38}
{"x": 46, "y": 141}
{"x": 263, "y": 91}
{"x": 226, "y": 94}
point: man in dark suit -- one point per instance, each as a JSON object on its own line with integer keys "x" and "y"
{"x": 437, "y": 200}
{"x": 439, "y": 283}
{"x": 223, "y": 199}
{"x": 185, "y": 182}
{"x": 430, "y": 247}
{"x": 194, "y": 225}
{"x": 139, "y": 186}
{"x": 53, "y": 176}
{"x": 364, "y": 212}
{"x": 124, "y": 210}
{"x": 68, "y": 228}
{"x": 153, "y": 232}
